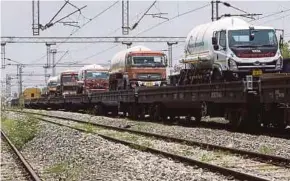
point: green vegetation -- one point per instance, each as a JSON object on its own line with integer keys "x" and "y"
{"x": 88, "y": 127}
{"x": 58, "y": 168}
{"x": 285, "y": 50}
{"x": 20, "y": 131}
{"x": 266, "y": 150}
{"x": 65, "y": 170}
{"x": 138, "y": 147}
{"x": 206, "y": 157}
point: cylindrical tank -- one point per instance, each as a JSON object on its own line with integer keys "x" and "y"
{"x": 118, "y": 62}
{"x": 52, "y": 79}
{"x": 198, "y": 43}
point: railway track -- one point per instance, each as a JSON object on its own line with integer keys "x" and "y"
{"x": 241, "y": 164}
{"x": 13, "y": 164}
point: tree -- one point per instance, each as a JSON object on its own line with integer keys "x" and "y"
{"x": 286, "y": 50}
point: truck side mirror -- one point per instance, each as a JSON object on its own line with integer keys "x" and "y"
{"x": 215, "y": 47}
{"x": 251, "y": 36}
{"x": 166, "y": 61}
{"x": 214, "y": 41}
{"x": 281, "y": 44}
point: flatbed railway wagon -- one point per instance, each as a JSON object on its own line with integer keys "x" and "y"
{"x": 246, "y": 104}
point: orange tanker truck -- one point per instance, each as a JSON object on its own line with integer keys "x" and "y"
{"x": 137, "y": 66}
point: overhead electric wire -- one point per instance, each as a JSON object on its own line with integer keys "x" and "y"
{"x": 177, "y": 16}
{"x": 136, "y": 24}
{"x": 99, "y": 14}
{"x": 272, "y": 14}
{"x": 111, "y": 47}
{"x": 281, "y": 17}
{"x": 58, "y": 12}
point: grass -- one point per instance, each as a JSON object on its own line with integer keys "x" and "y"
{"x": 20, "y": 131}
{"x": 266, "y": 150}
{"x": 65, "y": 169}
{"x": 58, "y": 168}
{"x": 88, "y": 127}
{"x": 206, "y": 157}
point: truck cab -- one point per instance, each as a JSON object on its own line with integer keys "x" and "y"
{"x": 228, "y": 49}
{"x": 67, "y": 83}
{"x": 93, "y": 78}
{"x": 138, "y": 67}
{"x": 52, "y": 85}
{"x": 242, "y": 51}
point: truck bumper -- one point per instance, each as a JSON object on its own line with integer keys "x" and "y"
{"x": 148, "y": 83}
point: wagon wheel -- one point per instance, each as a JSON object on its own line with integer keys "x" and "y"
{"x": 236, "y": 119}
{"x": 142, "y": 113}
{"x": 279, "y": 122}
{"x": 100, "y": 110}
{"x": 133, "y": 112}
{"x": 157, "y": 113}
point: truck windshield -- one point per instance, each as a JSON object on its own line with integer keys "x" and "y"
{"x": 97, "y": 75}
{"x": 148, "y": 61}
{"x": 52, "y": 84}
{"x": 240, "y": 38}
{"x": 69, "y": 78}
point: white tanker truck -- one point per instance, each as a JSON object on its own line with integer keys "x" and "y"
{"x": 229, "y": 49}
{"x": 52, "y": 85}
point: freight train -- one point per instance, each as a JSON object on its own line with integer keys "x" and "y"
{"x": 231, "y": 70}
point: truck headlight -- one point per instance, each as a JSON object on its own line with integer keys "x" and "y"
{"x": 232, "y": 64}
{"x": 279, "y": 63}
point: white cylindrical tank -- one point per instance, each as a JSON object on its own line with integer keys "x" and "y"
{"x": 118, "y": 62}
{"x": 199, "y": 41}
{"x": 52, "y": 79}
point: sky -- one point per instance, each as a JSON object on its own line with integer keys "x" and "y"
{"x": 16, "y": 20}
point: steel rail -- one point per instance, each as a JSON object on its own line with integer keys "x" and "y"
{"x": 275, "y": 160}
{"x": 190, "y": 161}
{"x": 26, "y": 165}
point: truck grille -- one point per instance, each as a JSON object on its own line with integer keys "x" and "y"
{"x": 149, "y": 76}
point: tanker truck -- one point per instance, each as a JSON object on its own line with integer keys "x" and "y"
{"x": 67, "y": 82}
{"x": 51, "y": 85}
{"x": 229, "y": 49}
{"x": 137, "y": 66}
{"x": 93, "y": 78}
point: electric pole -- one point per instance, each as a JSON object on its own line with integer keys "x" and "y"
{"x": 19, "y": 75}
{"x": 8, "y": 86}
{"x": 53, "y": 52}
{"x": 48, "y": 63}
{"x": 170, "y": 52}
{"x": 125, "y": 17}
{"x": 35, "y": 17}
{"x": 3, "y": 55}
{"x": 215, "y": 10}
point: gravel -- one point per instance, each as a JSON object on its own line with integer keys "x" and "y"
{"x": 62, "y": 153}
{"x": 263, "y": 144}
{"x": 11, "y": 168}
{"x": 219, "y": 158}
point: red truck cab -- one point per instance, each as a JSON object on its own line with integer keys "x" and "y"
{"x": 93, "y": 78}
